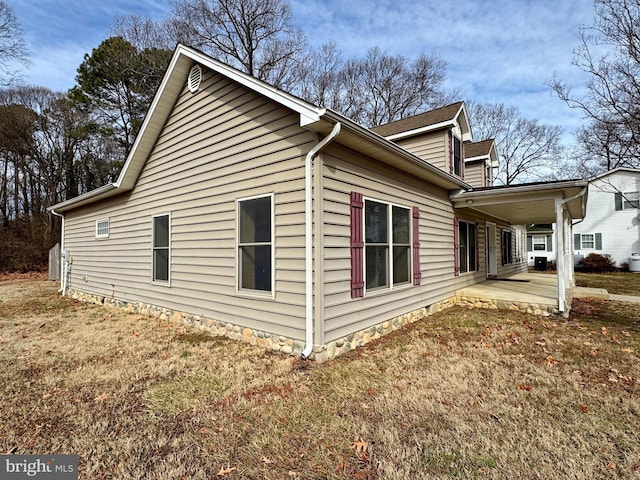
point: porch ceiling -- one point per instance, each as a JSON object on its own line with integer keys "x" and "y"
{"x": 526, "y": 203}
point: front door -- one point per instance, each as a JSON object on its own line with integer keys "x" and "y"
{"x": 492, "y": 259}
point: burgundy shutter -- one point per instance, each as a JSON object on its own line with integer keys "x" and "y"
{"x": 451, "y": 170}
{"x": 357, "y": 246}
{"x": 477, "y": 248}
{"x": 417, "y": 274}
{"x": 461, "y": 159}
{"x": 456, "y": 247}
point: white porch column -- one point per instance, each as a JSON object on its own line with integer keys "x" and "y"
{"x": 560, "y": 256}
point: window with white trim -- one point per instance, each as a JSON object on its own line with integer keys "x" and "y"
{"x": 627, "y": 200}
{"x": 507, "y": 247}
{"x": 457, "y": 156}
{"x": 539, "y": 243}
{"x": 467, "y": 246}
{"x": 387, "y": 244}
{"x": 255, "y": 244}
{"x": 161, "y": 248}
{"x": 102, "y": 228}
{"x": 587, "y": 241}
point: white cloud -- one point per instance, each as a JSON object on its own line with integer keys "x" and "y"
{"x": 497, "y": 51}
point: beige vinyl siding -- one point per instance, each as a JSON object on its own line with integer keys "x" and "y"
{"x": 221, "y": 144}
{"x": 347, "y": 171}
{"x": 432, "y": 147}
{"x": 474, "y": 174}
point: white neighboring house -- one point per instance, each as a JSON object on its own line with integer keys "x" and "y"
{"x": 541, "y": 245}
{"x": 611, "y": 226}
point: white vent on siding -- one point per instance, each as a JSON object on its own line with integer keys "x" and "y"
{"x": 195, "y": 77}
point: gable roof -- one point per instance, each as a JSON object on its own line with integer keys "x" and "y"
{"x": 615, "y": 170}
{"x": 485, "y": 149}
{"x": 474, "y": 150}
{"x": 432, "y": 120}
{"x": 314, "y": 118}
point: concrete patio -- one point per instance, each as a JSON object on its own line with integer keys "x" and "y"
{"x": 535, "y": 293}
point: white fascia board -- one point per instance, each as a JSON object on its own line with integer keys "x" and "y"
{"x": 474, "y": 159}
{"x": 417, "y": 131}
{"x": 308, "y": 113}
{"x": 105, "y": 191}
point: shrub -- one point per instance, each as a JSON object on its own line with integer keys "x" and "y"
{"x": 596, "y": 263}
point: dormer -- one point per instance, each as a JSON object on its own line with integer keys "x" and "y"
{"x": 480, "y": 163}
{"x": 437, "y": 136}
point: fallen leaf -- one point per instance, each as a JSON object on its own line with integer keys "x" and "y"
{"x": 225, "y": 471}
{"x": 603, "y": 330}
{"x": 102, "y": 397}
{"x": 550, "y": 361}
{"x": 584, "y": 408}
{"x": 627, "y": 350}
{"x": 203, "y": 431}
{"x": 360, "y": 448}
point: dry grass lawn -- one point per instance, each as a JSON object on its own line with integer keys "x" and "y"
{"x": 462, "y": 394}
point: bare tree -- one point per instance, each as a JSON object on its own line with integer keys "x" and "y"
{"x": 373, "y": 90}
{"x": 256, "y": 36}
{"x": 144, "y": 32}
{"x": 527, "y": 150}
{"x": 609, "y": 53}
{"x": 12, "y": 46}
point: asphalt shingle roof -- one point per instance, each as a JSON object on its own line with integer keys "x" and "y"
{"x": 421, "y": 120}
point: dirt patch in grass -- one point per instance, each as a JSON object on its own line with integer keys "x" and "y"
{"x": 461, "y": 394}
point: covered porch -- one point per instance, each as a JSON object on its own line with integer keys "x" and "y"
{"x": 559, "y": 202}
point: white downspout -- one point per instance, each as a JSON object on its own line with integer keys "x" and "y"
{"x": 63, "y": 263}
{"x": 308, "y": 236}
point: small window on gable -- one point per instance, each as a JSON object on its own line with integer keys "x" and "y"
{"x": 102, "y": 228}
{"x": 457, "y": 156}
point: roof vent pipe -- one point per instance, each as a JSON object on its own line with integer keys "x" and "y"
{"x": 308, "y": 236}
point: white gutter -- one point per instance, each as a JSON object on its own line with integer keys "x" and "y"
{"x": 63, "y": 264}
{"x": 308, "y": 236}
{"x": 561, "y": 247}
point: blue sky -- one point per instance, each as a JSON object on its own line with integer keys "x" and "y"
{"x": 497, "y": 51}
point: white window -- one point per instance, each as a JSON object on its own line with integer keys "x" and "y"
{"x": 540, "y": 243}
{"x": 457, "y": 156}
{"x": 255, "y": 244}
{"x": 387, "y": 242}
{"x": 102, "y": 228}
{"x": 588, "y": 241}
{"x": 627, "y": 200}
{"x": 467, "y": 239}
{"x": 161, "y": 248}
